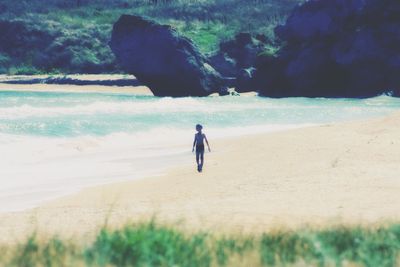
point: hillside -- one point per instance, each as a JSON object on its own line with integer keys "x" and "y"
{"x": 60, "y": 36}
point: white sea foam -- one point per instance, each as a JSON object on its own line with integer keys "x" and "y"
{"x": 164, "y": 105}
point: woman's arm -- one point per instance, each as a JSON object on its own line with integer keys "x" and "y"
{"x": 205, "y": 138}
{"x": 194, "y": 143}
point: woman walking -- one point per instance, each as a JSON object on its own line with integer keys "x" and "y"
{"x": 198, "y": 142}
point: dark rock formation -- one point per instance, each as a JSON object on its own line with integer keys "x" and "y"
{"x": 70, "y": 80}
{"x": 335, "y": 48}
{"x": 236, "y": 58}
{"x": 169, "y": 64}
{"x": 224, "y": 64}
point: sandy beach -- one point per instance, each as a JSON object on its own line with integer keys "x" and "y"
{"x": 329, "y": 174}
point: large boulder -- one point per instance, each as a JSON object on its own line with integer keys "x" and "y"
{"x": 335, "y": 48}
{"x": 168, "y": 63}
{"x": 236, "y": 59}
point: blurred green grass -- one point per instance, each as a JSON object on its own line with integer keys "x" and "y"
{"x": 152, "y": 244}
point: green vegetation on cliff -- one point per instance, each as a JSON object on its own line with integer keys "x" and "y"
{"x": 68, "y": 36}
{"x": 150, "y": 244}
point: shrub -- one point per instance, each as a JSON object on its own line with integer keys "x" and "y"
{"x": 151, "y": 244}
{"x": 73, "y": 36}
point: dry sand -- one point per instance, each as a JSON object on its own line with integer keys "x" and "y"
{"x": 135, "y": 90}
{"x": 341, "y": 173}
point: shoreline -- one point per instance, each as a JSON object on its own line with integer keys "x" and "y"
{"x": 344, "y": 173}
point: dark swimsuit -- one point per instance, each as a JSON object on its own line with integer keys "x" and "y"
{"x": 199, "y": 143}
{"x": 200, "y": 148}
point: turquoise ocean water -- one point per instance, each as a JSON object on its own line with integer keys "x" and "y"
{"x": 78, "y": 114}
{"x": 55, "y": 143}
